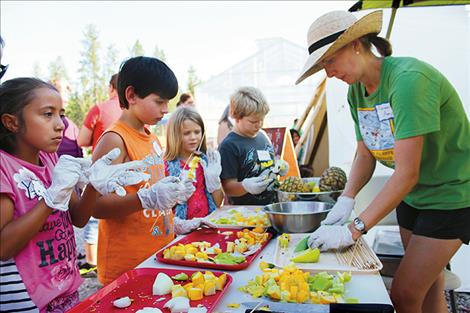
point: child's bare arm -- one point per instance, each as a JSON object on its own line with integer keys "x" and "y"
{"x": 112, "y": 205}
{"x": 233, "y": 188}
{"x": 81, "y": 209}
{"x": 16, "y": 233}
{"x": 218, "y": 196}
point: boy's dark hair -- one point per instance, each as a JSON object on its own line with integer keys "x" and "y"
{"x": 114, "y": 81}
{"x": 15, "y": 94}
{"x": 147, "y": 75}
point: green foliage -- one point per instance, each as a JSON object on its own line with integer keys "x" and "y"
{"x": 159, "y": 54}
{"x": 74, "y": 110}
{"x": 37, "y": 71}
{"x": 137, "y": 49}
{"x": 111, "y": 65}
{"x": 57, "y": 71}
{"x": 93, "y": 86}
{"x": 193, "y": 80}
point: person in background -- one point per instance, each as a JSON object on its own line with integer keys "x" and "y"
{"x": 225, "y": 125}
{"x": 185, "y": 131}
{"x": 186, "y": 100}
{"x": 295, "y": 140}
{"x": 38, "y": 258}
{"x": 246, "y": 153}
{"x": 409, "y": 117}
{"x": 99, "y": 118}
{"x": 134, "y": 226}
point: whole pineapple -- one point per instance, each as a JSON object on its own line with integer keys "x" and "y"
{"x": 333, "y": 179}
{"x": 292, "y": 184}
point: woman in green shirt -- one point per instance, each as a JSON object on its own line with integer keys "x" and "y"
{"x": 408, "y": 117}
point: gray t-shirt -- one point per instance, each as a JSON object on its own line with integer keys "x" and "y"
{"x": 244, "y": 157}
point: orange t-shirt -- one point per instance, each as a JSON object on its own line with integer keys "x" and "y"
{"x": 125, "y": 242}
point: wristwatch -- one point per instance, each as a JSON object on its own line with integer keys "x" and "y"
{"x": 359, "y": 225}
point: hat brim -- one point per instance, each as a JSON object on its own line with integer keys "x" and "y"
{"x": 368, "y": 24}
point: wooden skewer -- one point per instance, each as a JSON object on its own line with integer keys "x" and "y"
{"x": 256, "y": 306}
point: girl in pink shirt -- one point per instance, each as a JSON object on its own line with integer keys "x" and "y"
{"x": 38, "y": 207}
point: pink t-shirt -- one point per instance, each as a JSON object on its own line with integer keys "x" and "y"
{"x": 101, "y": 117}
{"x": 48, "y": 263}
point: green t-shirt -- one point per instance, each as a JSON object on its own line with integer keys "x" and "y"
{"x": 414, "y": 99}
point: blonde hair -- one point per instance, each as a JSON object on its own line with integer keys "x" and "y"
{"x": 247, "y": 101}
{"x": 174, "y": 132}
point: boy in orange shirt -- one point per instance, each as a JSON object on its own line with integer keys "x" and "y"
{"x": 133, "y": 227}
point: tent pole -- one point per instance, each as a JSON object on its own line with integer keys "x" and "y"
{"x": 390, "y": 23}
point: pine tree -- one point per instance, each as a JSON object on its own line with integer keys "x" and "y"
{"x": 137, "y": 49}
{"x": 74, "y": 111}
{"x": 37, "y": 71}
{"x": 159, "y": 54}
{"x": 193, "y": 80}
{"x": 111, "y": 65}
{"x": 93, "y": 89}
{"x": 57, "y": 70}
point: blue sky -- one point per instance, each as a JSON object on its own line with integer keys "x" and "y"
{"x": 211, "y": 36}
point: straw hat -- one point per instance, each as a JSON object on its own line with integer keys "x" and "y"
{"x": 332, "y": 31}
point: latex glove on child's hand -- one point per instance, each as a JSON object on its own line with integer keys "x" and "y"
{"x": 212, "y": 169}
{"x": 66, "y": 174}
{"x": 340, "y": 212}
{"x": 186, "y": 226}
{"x": 160, "y": 196}
{"x": 329, "y": 237}
{"x": 106, "y": 177}
{"x": 185, "y": 190}
{"x": 256, "y": 185}
{"x": 281, "y": 167}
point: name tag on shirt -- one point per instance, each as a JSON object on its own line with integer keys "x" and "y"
{"x": 263, "y": 155}
{"x": 384, "y": 111}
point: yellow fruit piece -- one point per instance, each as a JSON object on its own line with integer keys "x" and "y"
{"x": 178, "y": 291}
{"x": 198, "y": 278}
{"x": 220, "y": 282}
{"x": 189, "y": 257}
{"x": 233, "y": 305}
{"x": 307, "y": 256}
{"x": 195, "y": 294}
{"x": 209, "y": 288}
{"x": 230, "y": 246}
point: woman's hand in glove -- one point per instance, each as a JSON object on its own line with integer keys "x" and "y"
{"x": 329, "y": 237}
{"x": 340, "y": 212}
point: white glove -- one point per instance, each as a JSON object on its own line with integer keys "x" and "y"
{"x": 340, "y": 212}
{"x": 281, "y": 167}
{"x": 66, "y": 174}
{"x": 186, "y": 226}
{"x": 331, "y": 237}
{"x": 106, "y": 177}
{"x": 185, "y": 190}
{"x": 212, "y": 169}
{"x": 256, "y": 185}
{"x": 160, "y": 196}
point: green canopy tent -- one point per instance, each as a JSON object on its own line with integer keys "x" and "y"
{"x": 395, "y": 4}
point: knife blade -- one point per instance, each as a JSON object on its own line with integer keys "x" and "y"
{"x": 323, "y": 308}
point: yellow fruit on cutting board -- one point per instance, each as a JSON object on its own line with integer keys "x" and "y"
{"x": 307, "y": 256}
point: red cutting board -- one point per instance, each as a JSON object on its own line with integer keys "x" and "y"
{"x": 137, "y": 285}
{"x": 212, "y": 236}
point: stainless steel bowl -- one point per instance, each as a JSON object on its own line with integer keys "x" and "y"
{"x": 298, "y": 216}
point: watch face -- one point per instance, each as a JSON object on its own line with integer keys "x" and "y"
{"x": 359, "y": 225}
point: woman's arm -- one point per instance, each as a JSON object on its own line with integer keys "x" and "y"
{"x": 407, "y": 164}
{"x": 16, "y": 233}
{"x": 361, "y": 171}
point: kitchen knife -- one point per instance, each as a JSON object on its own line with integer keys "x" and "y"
{"x": 322, "y": 308}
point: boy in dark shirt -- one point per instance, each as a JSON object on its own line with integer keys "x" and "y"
{"x": 247, "y": 154}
